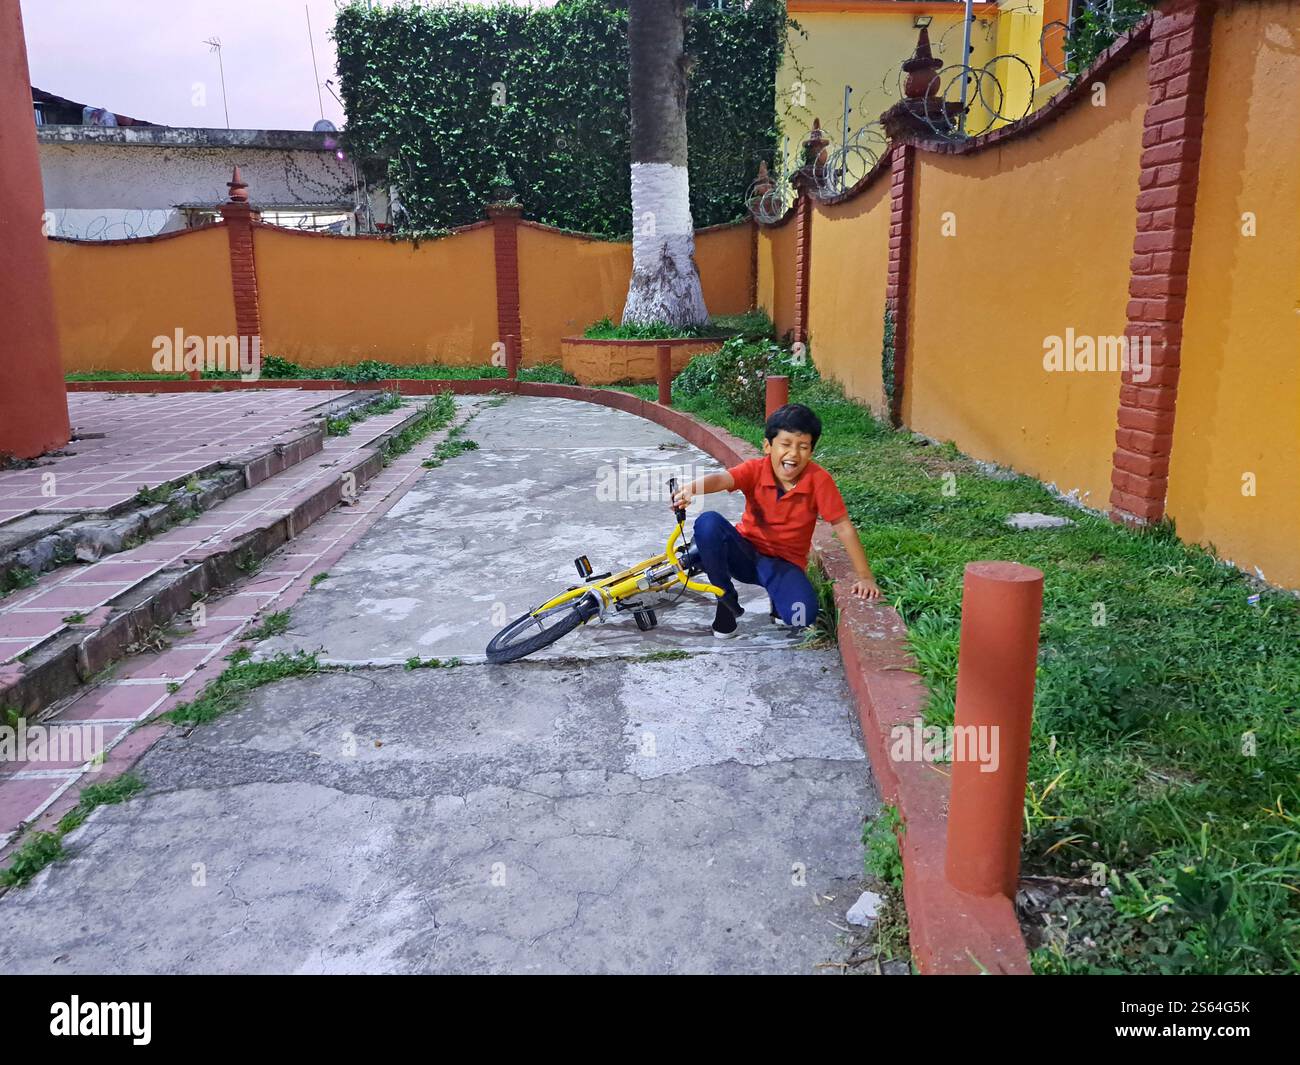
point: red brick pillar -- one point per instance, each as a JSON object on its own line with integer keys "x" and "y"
{"x": 33, "y": 396}
{"x": 505, "y": 245}
{"x": 802, "y": 261}
{"x": 1177, "y": 72}
{"x": 239, "y": 218}
{"x": 814, "y": 149}
{"x": 902, "y": 198}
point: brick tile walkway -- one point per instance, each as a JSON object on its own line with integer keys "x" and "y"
{"x": 138, "y": 689}
{"x": 32, "y": 615}
{"x": 133, "y": 439}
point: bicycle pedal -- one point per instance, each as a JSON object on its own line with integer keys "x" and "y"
{"x": 583, "y": 566}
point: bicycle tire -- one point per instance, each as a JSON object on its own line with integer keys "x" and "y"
{"x": 500, "y": 651}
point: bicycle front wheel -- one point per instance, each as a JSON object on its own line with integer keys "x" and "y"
{"x": 531, "y": 632}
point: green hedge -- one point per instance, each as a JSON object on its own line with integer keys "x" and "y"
{"x": 418, "y": 87}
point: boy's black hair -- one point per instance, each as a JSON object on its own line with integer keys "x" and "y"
{"x": 793, "y": 418}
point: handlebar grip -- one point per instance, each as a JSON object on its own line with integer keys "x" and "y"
{"x": 678, "y": 512}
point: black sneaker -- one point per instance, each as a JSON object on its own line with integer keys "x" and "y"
{"x": 724, "y": 621}
{"x": 724, "y": 618}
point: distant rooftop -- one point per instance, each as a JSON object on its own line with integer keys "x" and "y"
{"x": 60, "y": 110}
{"x": 143, "y": 136}
{"x": 64, "y": 121}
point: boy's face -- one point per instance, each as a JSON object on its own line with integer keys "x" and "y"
{"x": 790, "y": 454}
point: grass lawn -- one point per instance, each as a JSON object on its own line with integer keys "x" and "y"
{"x": 1162, "y": 815}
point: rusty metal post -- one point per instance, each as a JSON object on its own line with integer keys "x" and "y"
{"x": 664, "y": 374}
{"x": 778, "y": 394}
{"x": 1002, "y": 607}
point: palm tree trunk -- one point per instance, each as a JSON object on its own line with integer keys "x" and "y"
{"x": 665, "y": 280}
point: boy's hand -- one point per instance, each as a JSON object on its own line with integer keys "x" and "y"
{"x": 683, "y": 496}
{"x": 865, "y": 588}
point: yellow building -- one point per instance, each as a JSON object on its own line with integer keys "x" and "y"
{"x": 861, "y": 44}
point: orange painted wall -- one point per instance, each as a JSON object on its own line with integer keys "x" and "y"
{"x": 1044, "y": 234}
{"x": 328, "y": 300}
{"x": 725, "y": 257}
{"x": 846, "y": 296}
{"x": 113, "y": 299}
{"x": 775, "y": 286}
{"x": 1239, "y": 386}
{"x": 567, "y": 281}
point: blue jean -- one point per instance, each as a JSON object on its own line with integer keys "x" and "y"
{"x": 725, "y": 555}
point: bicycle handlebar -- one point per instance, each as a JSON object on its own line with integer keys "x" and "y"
{"x": 678, "y": 512}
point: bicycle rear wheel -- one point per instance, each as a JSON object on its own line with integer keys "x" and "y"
{"x": 529, "y": 633}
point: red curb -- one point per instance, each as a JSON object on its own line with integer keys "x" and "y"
{"x": 951, "y": 933}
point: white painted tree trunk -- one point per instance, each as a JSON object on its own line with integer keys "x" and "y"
{"x": 665, "y": 280}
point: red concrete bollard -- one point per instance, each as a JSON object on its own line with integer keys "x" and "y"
{"x": 664, "y": 374}
{"x": 512, "y": 357}
{"x": 778, "y": 394}
{"x": 1002, "y": 607}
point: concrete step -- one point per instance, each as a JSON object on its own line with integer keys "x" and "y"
{"x": 113, "y": 719}
{"x": 79, "y": 620}
{"x": 60, "y": 531}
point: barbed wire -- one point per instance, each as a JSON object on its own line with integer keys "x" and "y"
{"x": 844, "y": 166}
{"x": 134, "y": 223}
{"x": 771, "y": 195}
{"x": 943, "y": 109}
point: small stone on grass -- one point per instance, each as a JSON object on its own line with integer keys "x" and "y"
{"x": 1037, "y": 521}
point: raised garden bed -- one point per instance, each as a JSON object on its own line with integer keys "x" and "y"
{"x": 606, "y": 362}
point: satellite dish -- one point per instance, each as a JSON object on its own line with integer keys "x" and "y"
{"x": 324, "y": 126}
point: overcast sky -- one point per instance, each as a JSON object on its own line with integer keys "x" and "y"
{"x": 147, "y": 59}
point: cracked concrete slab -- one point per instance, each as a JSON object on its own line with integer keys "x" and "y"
{"x": 480, "y": 819}
{"x": 494, "y": 532}
{"x": 594, "y": 811}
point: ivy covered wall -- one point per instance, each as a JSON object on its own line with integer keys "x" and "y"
{"x": 441, "y": 98}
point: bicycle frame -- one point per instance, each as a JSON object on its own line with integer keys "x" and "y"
{"x": 620, "y": 586}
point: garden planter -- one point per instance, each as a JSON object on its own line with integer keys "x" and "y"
{"x": 605, "y": 362}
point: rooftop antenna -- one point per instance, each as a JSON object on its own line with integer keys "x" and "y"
{"x": 214, "y": 45}
{"x": 315, "y": 73}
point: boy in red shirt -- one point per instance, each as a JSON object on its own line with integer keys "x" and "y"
{"x": 785, "y": 493}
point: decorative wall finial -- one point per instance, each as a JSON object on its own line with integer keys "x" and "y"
{"x": 238, "y": 188}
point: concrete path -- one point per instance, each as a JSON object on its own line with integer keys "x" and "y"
{"x": 589, "y": 811}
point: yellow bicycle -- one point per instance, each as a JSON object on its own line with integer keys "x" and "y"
{"x": 603, "y": 595}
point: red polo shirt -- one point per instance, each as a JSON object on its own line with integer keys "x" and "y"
{"x": 784, "y": 527}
